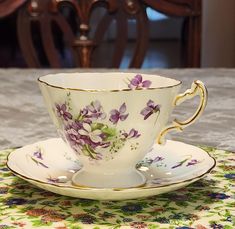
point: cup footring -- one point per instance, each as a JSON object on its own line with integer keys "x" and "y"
{"x": 131, "y": 179}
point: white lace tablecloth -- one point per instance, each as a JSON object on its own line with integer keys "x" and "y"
{"x": 24, "y": 119}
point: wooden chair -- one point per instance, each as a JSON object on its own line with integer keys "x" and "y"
{"x": 46, "y": 28}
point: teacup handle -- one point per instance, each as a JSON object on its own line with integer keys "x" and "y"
{"x": 197, "y": 88}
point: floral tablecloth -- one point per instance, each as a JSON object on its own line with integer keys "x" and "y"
{"x": 207, "y": 203}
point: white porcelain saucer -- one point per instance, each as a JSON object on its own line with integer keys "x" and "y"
{"x": 50, "y": 165}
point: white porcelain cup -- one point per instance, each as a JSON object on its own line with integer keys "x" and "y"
{"x": 111, "y": 120}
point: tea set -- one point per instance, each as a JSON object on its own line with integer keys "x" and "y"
{"x": 111, "y": 143}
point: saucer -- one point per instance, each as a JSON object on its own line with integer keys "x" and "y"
{"x": 50, "y": 165}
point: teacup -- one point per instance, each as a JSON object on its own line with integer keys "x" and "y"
{"x": 111, "y": 120}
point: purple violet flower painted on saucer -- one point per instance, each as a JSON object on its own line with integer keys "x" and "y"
{"x": 57, "y": 180}
{"x": 116, "y": 115}
{"x": 192, "y": 162}
{"x": 179, "y": 164}
{"x": 189, "y": 163}
{"x": 150, "y": 109}
{"x": 62, "y": 112}
{"x": 37, "y": 158}
{"x": 38, "y": 154}
{"x": 157, "y": 161}
{"x": 53, "y": 180}
{"x": 138, "y": 83}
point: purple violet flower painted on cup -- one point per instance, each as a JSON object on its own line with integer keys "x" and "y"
{"x": 87, "y": 135}
{"x": 132, "y": 134}
{"x": 116, "y": 115}
{"x": 138, "y": 83}
{"x": 62, "y": 112}
{"x": 94, "y": 135}
{"x": 74, "y": 137}
{"x": 150, "y": 109}
{"x": 94, "y": 111}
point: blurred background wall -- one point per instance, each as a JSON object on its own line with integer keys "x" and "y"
{"x": 218, "y": 33}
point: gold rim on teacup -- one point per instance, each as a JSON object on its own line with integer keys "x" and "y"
{"x": 179, "y": 82}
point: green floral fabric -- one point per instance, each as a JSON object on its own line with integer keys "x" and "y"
{"x": 207, "y": 203}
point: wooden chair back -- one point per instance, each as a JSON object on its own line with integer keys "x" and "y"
{"x": 48, "y": 30}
